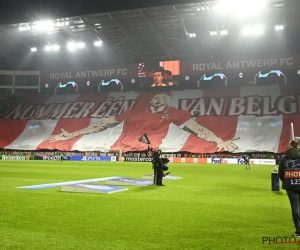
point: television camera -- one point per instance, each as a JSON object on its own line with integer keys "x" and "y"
{"x": 165, "y": 166}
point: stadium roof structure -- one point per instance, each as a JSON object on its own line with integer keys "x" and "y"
{"x": 181, "y": 31}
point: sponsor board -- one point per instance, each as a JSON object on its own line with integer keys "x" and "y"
{"x": 267, "y": 162}
{"x": 188, "y": 160}
{"x": 91, "y": 158}
{"x": 240, "y": 161}
{"x": 251, "y": 161}
{"x": 16, "y": 157}
{"x": 51, "y": 157}
{"x": 221, "y": 161}
{"x": 138, "y": 159}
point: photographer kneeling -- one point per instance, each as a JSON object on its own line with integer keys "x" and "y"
{"x": 289, "y": 174}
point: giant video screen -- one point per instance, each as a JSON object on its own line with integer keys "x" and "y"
{"x": 160, "y": 74}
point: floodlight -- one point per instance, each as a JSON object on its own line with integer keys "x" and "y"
{"x": 98, "y": 43}
{"x": 55, "y": 47}
{"x": 246, "y": 30}
{"x": 255, "y": 30}
{"x": 71, "y": 46}
{"x": 241, "y": 7}
{"x": 48, "y": 48}
{"x": 49, "y": 25}
{"x": 33, "y": 49}
{"x": 258, "y": 30}
{"x": 279, "y": 27}
{"x": 80, "y": 45}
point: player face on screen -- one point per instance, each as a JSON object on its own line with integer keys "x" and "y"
{"x": 158, "y": 78}
{"x": 160, "y": 100}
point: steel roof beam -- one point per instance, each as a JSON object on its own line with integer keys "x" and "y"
{"x": 185, "y": 30}
{"x": 125, "y": 34}
{"x": 154, "y": 32}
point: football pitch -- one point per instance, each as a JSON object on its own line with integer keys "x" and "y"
{"x": 212, "y": 207}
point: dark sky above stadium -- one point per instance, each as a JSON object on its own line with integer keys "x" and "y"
{"x": 17, "y": 11}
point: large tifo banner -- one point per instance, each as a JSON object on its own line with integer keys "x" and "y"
{"x": 255, "y": 118}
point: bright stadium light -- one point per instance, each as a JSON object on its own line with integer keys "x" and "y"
{"x": 279, "y": 27}
{"x": 223, "y": 32}
{"x": 98, "y": 43}
{"x": 258, "y": 30}
{"x": 241, "y": 7}
{"x": 192, "y": 35}
{"x": 44, "y": 25}
{"x": 253, "y": 30}
{"x": 49, "y": 25}
{"x": 80, "y": 45}
{"x": 55, "y": 47}
{"x": 71, "y": 46}
{"x": 33, "y": 49}
{"x": 246, "y": 30}
{"x": 24, "y": 27}
{"x": 48, "y": 48}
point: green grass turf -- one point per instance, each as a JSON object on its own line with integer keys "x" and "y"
{"x": 212, "y": 207}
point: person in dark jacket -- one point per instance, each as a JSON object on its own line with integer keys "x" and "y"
{"x": 289, "y": 174}
{"x": 158, "y": 168}
{"x": 246, "y": 159}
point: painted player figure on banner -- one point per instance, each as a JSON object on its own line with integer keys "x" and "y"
{"x": 155, "y": 121}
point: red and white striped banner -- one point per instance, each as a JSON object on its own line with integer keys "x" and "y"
{"x": 236, "y": 120}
